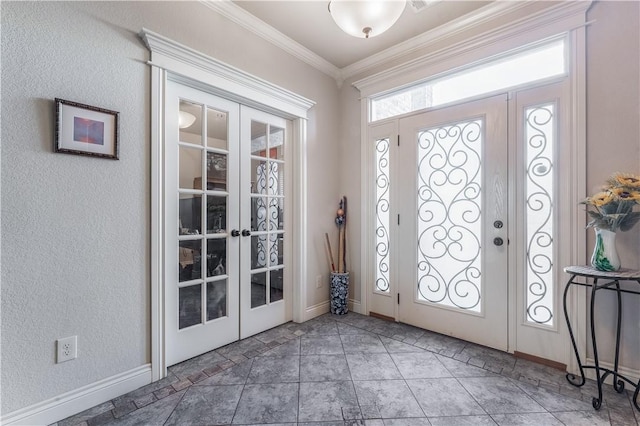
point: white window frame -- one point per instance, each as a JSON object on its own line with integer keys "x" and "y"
{"x": 565, "y": 18}
{"x": 170, "y": 58}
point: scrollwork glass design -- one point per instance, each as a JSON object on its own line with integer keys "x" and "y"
{"x": 449, "y": 215}
{"x": 382, "y": 215}
{"x": 539, "y": 140}
{"x": 266, "y": 216}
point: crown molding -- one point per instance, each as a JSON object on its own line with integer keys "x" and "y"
{"x": 243, "y": 18}
{"x": 558, "y": 18}
{"x": 236, "y": 84}
{"x": 466, "y": 22}
{"x": 477, "y": 18}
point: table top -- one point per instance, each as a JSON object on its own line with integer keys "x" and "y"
{"x": 588, "y": 271}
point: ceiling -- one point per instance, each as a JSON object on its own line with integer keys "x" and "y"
{"x": 309, "y": 23}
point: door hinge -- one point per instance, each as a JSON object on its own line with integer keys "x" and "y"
{"x": 398, "y": 140}
{"x": 398, "y": 219}
{"x": 398, "y": 298}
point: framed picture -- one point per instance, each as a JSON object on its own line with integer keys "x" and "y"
{"x": 86, "y": 130}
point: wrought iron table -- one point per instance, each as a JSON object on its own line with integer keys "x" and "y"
{"x": 611, "y": 282}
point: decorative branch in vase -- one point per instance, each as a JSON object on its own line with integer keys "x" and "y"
{"x": 611, "y": 210}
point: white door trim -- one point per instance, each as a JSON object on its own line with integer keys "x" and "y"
{"x": 209, "y": 74}
{"x": 561, "y": 18}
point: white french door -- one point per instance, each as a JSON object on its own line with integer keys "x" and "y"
{"x": 452, "y": 212}
{"x": 225, "y": 237}
{"x": 264, "y": 299}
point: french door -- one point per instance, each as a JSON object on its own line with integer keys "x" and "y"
{"x": 472, "y": 220}
{"x": 454, "y": 250}
{"x": 226, "y": 238}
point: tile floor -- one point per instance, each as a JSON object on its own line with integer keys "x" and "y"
{"x": 357, "y": 370}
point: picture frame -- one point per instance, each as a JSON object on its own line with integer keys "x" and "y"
{"x": 86, "y": 130}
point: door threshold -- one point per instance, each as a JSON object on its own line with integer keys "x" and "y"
{"x": 539, "y": 360}
{"x": 382, "y": 317}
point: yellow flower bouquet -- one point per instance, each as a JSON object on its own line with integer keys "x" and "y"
{"x": 612, "y": 208}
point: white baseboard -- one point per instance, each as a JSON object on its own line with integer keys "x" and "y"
{"x": 633, "y": 375}
{"x": 78, "y": 400}
{"x": 355, "y": 306}
{"x": 316, "y": 310}
{"x": 322, "y": 308}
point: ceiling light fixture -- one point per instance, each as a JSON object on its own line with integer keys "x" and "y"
{"x": 185, "y": 119}
{"x": 366, "y": 18}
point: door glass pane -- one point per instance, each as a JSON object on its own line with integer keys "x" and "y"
{"x": 216, "y": 299}
{"x": 276, "y": 214}
{"x": 449, "y": 215}
{"x": 258, "y": 139}
{"x": 259, "y": 213}
{"x": 189, "y": 222}
{"x": 189, "y": 260}
{"x": 258, "y": 251}
{"x": 216, "y": 129}
{"x": 216, "y": 171}
{"x": 275, "y": 178}
{"x": 190, "y": 167}
{"x": 190, "y": 123}
{"x": 539, "y": 134}
{"x": 258, "y": 289}
{"x": 276, "y": 249}
{"x": 276, "y": 143}
{"x": 259, "y": 182}
{"x": 275, "y": 285}
{"x": 216, "y": 214}
{"x": 216, "y": 257}
{"x": 190, "y": 306}
{"x": 382, "y": 215}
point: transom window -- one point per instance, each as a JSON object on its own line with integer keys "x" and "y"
{"x": 528, "y": 65}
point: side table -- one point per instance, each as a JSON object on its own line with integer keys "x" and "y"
{"x": 601, "y": 281}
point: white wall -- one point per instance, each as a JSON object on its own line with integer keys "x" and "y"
{"x": 75, "y": 230}
{"x": 613, "y": 142}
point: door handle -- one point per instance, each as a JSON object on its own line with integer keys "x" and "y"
{"x": 246, "y": 232}
{"x": 235, "y": 233}
{"x": 498, "y": 241}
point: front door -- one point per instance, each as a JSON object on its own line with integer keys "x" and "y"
{"x": 452, "y": 214}
{"x": 226, "y": 235}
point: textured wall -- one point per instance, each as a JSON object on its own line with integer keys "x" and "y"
{"x": 75, "y": 230}
{"x": 613, "y": 144}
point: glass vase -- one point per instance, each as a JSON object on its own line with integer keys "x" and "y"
{"x": 605, "y": 256}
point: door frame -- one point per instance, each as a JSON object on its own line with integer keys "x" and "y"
{"x": 567, "y": 19}
{"x": 170, "y": 59}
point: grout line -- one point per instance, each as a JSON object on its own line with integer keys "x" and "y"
{"x": 229, "y": 363}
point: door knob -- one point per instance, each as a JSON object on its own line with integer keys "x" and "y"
{"x": 246, "y": 232}
{"x": 498, "y": 224}
{"x": 235, "y": 233}
{"x": 498, "y": 241}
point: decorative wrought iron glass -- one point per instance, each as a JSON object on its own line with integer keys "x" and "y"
{"x": 449, "y": 215}
{"x": 539, "y": 132}
{"x": 383, "y": 184}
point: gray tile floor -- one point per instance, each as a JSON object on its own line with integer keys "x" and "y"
{"x": 358, "y": 370}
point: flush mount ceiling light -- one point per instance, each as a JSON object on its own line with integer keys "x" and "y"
{"x": 185, "y": 119}
{"x": 366, "y": 18}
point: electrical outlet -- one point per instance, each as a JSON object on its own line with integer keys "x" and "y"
{"x": 318, "y": 281}
{"x": 67, "y": 349}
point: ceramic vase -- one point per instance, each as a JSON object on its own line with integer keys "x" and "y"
{"x": 339, "y": 293}
{"x": 605, "y": 257}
